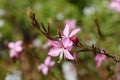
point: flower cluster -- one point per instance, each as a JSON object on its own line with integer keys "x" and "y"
{"x": 15, "y": 48}
{"x": 64, "y": 45}
{"x": 60, "y": 47}
{"x": 44, "y": 67}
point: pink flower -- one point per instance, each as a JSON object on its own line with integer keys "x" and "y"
{"x": 45, "y": 66}
{"x": 115, "y": 4}
{"x": 15, "y": 48}
{"x": 67, "y": 33}
{"x": 71, "y": 23}
{"x": 61, "y": 48}
{"x": 99, "y": 58}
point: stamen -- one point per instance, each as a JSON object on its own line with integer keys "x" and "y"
{"x": 61, "y": 56}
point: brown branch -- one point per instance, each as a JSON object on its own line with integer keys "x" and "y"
{"x": 98, "y": 26}
{"x": 96, "y": 51}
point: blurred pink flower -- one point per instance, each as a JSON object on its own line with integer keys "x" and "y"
{"x": 115, "y": 4}
{"x": 61, "y": 48}
{"x": 71, "y": 23}
{"x": 67, "y": 33}
{"x": 99, "y": 58}
{"x": 46, "y": 65}
{"x": 15, "y": 48}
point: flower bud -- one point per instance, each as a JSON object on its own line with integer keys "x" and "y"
{"x": 74, "y": 39}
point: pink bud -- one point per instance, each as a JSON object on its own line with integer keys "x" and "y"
{"x": 74, "y": 39}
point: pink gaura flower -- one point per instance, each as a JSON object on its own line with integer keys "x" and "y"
{"x": 44, "y": 67}
{"x": 15, "y": 48}
{"x": 115, "y": 4}
{"x": 71, "y": 23}
{"x": 67, "y": 33}
{"x": 61, "y": 48}
{"x": 99, "y": 58}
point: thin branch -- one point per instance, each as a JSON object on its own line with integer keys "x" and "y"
{"x": 98, "y": 27}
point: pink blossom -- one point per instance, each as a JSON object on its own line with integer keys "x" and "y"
{"x": 71, "y": 23}
{"x": 15, "y": 48}
{"x": 115, "y": 4}
{"x": 99, "y": 58}
{"x": 46, "y": 65}
{"x": 67, "y": 33}
{"x": 61, "y": 48}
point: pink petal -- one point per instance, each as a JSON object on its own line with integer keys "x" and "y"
{"x": 67, "y": 42}
{"x": 18, "y": 43}
{"x": 18, "y": 48}
{"x": 118, "y": 8}
{"x": 52, "y": 63}
{"x": 75, "y": 31}
{"x": 66, "y": 30}
{"x": 45, "y": 70}
{"x": 98, "y": 64}
{"x": 112, "y": 5}
{"x": 69, "y": 46}
{"x": 99, "y": 58}
{"x": 54, "y": 51}
{"x": 13, "y": 54}
{"x": 47, "y": 60}
{"x": 11, "y": 45}
{"x": 46, "y": 45}
{"x": 68, "y": 55}
{"x": 40, "y": 66}
{"x": 71, "y": 23}
{"x": 55, "y": 43}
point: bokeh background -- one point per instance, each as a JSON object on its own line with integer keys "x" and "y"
{"x": 15, "y": 25}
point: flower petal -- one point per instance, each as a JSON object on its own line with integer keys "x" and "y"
{"x": 18, "y": 43}
{"x": 47, "y": 60}
{"x": 55, "y": 43}
{"x": 69, "y": 46}
{"x": 113, "y": 5}
{"x": 66, "y": 30}
{"x": 45, "y": 70}
{"x": 68, "y": 55}
{"x": 99, "y": 58}
{"x": 40, "y": 66}
{"x": 52, "y": 63}
{"x": 18, "y": 48}
{"x": 11, "y": 45}
{"x": 46, "y": 45}
{"x": 75, "y": 31}
{"x": 13, "y": 53}
{"x": 54, "y": 51}
{"x": 98, "y": 63}
{"x": 71, "y": 23}
{"x": 65, "y": 42}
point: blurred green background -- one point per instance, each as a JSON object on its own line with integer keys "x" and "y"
{"x": 15, "y": 25}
